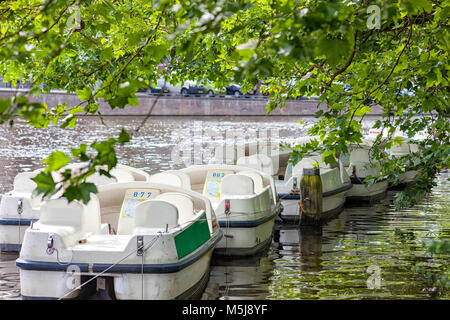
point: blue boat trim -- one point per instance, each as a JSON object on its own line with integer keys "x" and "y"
{"x": 244, "y": 251}
{"x": 16, "y": 222}
{"x": 123, "y": 268}
{"x": 288, "y": 196}
{"x": 246, "y": 223}
{"x": 360, "y": 180}
{"x": 10, "y": 247}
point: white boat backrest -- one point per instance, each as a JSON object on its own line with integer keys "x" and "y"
{"x": 234, "y": 184}
{"x": 182, "y": 202}
{"x": 138, "y": 174}
{"x": 155, "y": 214}
{"x": 211, "y": 187}
{"x": 99, "y": 180}
{"x": 401, "y": 150}
{"x": 359, "y": 155}
{"x": 122, "y": 175}
{"x": 23, "y": 182}
{"x": 131, "y": 199}
{"x": 258, "y": 183}
{"x": 308, "y": 162}
{"x": 185, "y": 179}
{"x": 82, "y": 218}
{"x": 166, "y": 178}
{"x": 118, "y": 175}
{"x": 173, "y": 178}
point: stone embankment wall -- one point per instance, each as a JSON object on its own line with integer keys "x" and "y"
{"x": 178, "y": 105}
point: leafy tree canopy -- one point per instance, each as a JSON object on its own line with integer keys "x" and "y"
{"x": 352, "y": 54}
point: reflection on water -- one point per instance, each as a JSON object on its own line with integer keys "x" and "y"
{"x": 9, "y": 277}
{"x": 335, "y": 262}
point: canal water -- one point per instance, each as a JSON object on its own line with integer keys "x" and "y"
{"x": 366, "y": 253}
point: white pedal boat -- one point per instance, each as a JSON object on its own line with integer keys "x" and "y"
{"x": 162, "y": 249}
{"x": 408, "y": 146}
{"x": 274, "y": 161}
{"x": 358, "y": 166}
{"x": 399, "y": 151}
{"x": 335, "y": 184}
{"x": 243, "y": 199}
{"x": 19, "y": 207}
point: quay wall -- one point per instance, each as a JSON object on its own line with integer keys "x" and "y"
{"x": 177, "y": 105}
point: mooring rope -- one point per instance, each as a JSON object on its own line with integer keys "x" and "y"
{"x": 143, "y": 247}
{"x": 19, "y": 211}
{"x": 142, "y": 275}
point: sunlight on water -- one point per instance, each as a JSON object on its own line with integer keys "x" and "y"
{"x": 336, "y": 262}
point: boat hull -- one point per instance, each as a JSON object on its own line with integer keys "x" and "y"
{"x": 362, "y": 194}
{"x": 11, "y": 234}
{"x": 406, "y": 179}
{"x": 185, "y": 279}
{"x": 187, "y": 283}
{"x": 332, "y": 206}
{"x": 249, "y": 239}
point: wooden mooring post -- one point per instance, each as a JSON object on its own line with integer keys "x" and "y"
{"x": 310, "y": 204}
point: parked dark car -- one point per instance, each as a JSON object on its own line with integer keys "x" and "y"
{"x": 233, "y": 89}
{"x": 157, "y": 90}
{"x": 162, "y": 87}
{"x": 192, "y": 88}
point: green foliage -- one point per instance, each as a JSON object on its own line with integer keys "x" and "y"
{"x": 71, "y": 182}
{"x": 107, "y": 51}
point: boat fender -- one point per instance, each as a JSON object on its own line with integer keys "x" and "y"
{"x": 50, "y": 248}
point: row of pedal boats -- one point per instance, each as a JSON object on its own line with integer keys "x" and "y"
{"x": 153, "y": 236}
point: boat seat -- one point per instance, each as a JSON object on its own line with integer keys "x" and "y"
{"x": 99, "y": 180}
{"x": 176, "y": 179}
{"x": 71, "y": 220}
{"x": 185, "y": 179}
{"x": 155, "y": 214}
{"x": 258, "y": 184}
{"x": 308, "y": 162}
{"x": 122, "y": 175}
{"x": 259, "y": 162}
{"x": 234, "y": 184}
{"x": 211, "y": 186}
{"x": 132, "y": 197}
{"x": 118, "y": 175}
{"x": 183, "y": 202}
{"x": 23, "y": 182}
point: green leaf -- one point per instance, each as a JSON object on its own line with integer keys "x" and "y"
{"x": 84, "y": 94}
{"x": 45, "y": 183}
{"x": 86, "y": 188}
{"x": 329, "y": 157}
{"x": 417, "y": 6}
{"x": 124, "y": 136}
{"x": 4, "y": 104}
{"x": 56, "y": 161}
{"x": 334, "y": 49}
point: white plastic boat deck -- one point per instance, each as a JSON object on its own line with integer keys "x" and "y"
{"x": 104, "y": 242}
